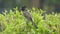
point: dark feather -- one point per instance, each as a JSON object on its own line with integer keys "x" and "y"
{"x": 28, "y": 16}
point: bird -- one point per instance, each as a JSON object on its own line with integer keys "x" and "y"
{"x": 28, "y": 16}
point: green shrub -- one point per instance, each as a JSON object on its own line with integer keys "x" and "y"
{"x": 15, "y": 23}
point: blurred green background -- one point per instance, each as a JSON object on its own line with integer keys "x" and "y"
{"x": 15, "y": 23}
{"x": 48, "y": 5}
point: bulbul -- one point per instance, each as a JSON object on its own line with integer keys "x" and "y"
{"x": 28, "y": 16}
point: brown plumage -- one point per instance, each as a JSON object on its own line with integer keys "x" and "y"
{"x": 28, "y": 16}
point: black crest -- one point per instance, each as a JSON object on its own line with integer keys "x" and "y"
{"x": 23, "y": 8}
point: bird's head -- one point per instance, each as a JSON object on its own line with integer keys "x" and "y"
{"x": 23, "y": 8}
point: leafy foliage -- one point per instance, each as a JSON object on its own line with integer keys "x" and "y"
{"x": 15, "y": 23}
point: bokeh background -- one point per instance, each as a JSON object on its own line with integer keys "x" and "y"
{"x": 48, "y": 5}
{"x": 12, "y": 20}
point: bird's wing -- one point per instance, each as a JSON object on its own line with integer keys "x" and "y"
{"x": 27, "y": 15}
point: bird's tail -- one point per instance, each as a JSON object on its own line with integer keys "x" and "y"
{"x": 33, "y": 23}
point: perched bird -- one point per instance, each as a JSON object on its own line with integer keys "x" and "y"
{"x": 28, "y": 16}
